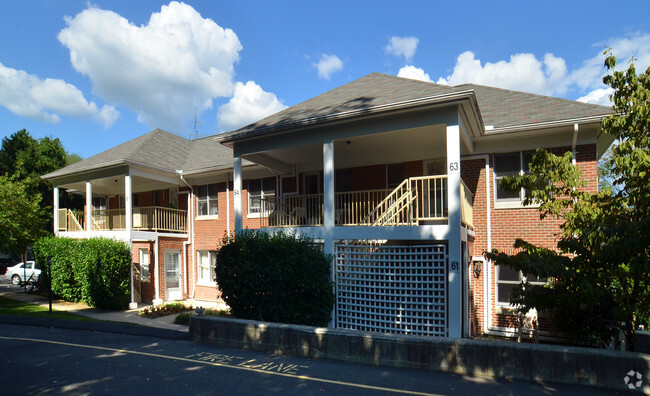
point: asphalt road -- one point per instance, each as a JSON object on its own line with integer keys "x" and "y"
{"x": 39, "y": 360}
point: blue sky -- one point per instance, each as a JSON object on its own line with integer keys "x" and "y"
{"x": 98, "y": 74}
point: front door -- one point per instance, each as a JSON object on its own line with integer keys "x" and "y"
{"x": 173, "y": 275}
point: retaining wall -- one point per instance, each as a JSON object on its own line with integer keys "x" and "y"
{"x": 533, "y": 362}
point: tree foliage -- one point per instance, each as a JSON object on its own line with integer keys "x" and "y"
{"x": 21, "y": 220}
{"x": 26, "y": 159}
{"x": 275, "y": 277}
{"x": 600, "y": 275}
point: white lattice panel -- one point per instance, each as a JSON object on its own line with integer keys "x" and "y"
{"x": 392, "y": 289}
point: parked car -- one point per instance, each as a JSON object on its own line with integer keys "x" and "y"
{"x": 21, "y": 271}
{"x": 6, "y": 262}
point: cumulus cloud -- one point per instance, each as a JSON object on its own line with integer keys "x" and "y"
{"x": 550, "y": 75}
{"x": 47, "y": 99}
{"x": 523, "y": 72}
{"x": 328, "y": 65}
{"x": 164, "y": 71}
{"x": 598, "y": 96}
{"x": 402, "y": 46}
{"x": 248, "y": 104}
{"x": 414, "y": 73}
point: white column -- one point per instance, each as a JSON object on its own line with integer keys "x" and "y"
{"x": 56, "y": 209}
{"x": 455, "y": 280}
{"x": 156, "y": 274}
{"x": 128, "y": 205}
{"x": 128, "y": 208}
{"x": 89, "y": 206}
{"x": 237, "y": 191}
{"x": 329, "y": 209}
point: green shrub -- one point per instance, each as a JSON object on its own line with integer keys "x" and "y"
{"x": 275, "y": 277}
{"x": 95, "y": 271}
{"x": 183, "y": 318}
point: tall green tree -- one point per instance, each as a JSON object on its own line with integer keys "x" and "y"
{"x": 26, "y": 159}
{"x": 599, "y": 277}
{"x": 21, "y": 216}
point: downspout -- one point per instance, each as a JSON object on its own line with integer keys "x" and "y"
{"x": 190, "y": 223}
{"x": 487, "y": 314}
{"x": 575, "y": 142}
{"x": 228, "y": 204}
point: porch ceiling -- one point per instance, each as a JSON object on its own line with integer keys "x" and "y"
{"x": 115, "y": 185}
{"x": 425, "y": 142}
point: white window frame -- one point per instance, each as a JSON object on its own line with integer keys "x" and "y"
{"x": 144, "y": 263}
{"x": 211, "y": 265}
{"x": 512, "y": 202}
{"x": 209, "y": 200}
{"x": 261, "y": 195}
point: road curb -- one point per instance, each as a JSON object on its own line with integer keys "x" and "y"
{"x": 107, "y": 327}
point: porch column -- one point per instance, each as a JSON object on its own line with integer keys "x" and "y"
{"x": 455, "y": 281}
{"x": 128, "y": 208}
{"x": 329, "y": 209}
{"x": 89, "y": 206}
{"x": 56, "y": 209}
{"x": 237, "y": 192}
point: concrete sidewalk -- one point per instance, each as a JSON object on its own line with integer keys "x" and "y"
{"x": 121, "y": 321}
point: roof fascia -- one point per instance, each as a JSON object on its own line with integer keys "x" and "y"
{"x": 545, "y": 125}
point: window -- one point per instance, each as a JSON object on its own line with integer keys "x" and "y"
{"x": 394, "y": 175}
{"x": 510, "y": 164}
{"x": 343, "y": 180}
{"x": 157, "y": 198}
{"x": 508, "y": 279}
{"x": 99, "y": 203}
{"x": 206, "y": 196}
{"x": 258, "y": 189}
{"x": 144, "y": 265}
{"x": 206, "y": 264}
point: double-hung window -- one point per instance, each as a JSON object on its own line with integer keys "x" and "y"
{"x": 508, "y": 279}
{"x": 207, "y": 198}
{"x": 206, "y": 264}
{"x": 258, "y": 190}
{"x": 510, "y": 164}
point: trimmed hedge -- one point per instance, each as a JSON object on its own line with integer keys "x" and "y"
{"x": 275, "y": 277}
{"x": 95, "y": 271}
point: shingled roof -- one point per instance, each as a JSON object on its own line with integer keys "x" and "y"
{"x": 498, "y": 107}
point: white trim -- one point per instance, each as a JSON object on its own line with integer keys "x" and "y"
{"x": 207, "y": 217}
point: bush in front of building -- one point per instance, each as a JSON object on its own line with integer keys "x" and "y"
{"x": 275, "y": 277}
{"x": 95, "y": 271}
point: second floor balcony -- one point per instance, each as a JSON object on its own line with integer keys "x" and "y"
{"x": 152, "y": 218}
{"x": 416, "y": 201}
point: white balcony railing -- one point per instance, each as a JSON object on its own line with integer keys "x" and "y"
{"x": 151, "y": 218}
{"x": 417, "y": 200}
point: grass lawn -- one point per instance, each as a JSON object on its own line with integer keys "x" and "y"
{"x": 12, "y": 307}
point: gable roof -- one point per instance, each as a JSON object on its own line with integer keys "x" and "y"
{"x": 374, "y": 92}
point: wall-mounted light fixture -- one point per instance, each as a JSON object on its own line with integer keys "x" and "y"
{"x": 478, "y": 266}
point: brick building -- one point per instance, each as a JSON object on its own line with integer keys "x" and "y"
{"x": 395, "y": 177}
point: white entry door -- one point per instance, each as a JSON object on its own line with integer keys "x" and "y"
{"x": 173, "y": 275}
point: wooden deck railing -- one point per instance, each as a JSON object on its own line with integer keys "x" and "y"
{"x": 151, "y": 218}
{"x": 416, "y": 201}
{"x": 70, "y": 220}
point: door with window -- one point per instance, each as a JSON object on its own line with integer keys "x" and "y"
{"x": 173, "y": 275}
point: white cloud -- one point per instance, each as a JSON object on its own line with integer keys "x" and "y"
{"x": 164, "y": 71}
{"x": 523, "y": 72}
{"x": 414, "y": 73}
{"x": 46, "y": 100}
{"x": 248, "y": 104}
{"x": 550, "y": 75}
{"x": 402, "y": 46}
{"x": 598, "y": 96}
{"x": 328, "y": 65}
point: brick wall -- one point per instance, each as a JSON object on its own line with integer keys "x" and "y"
{"x": 509, "y": 224}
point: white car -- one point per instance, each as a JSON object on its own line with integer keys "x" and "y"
{"x": 21, "y": 271}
